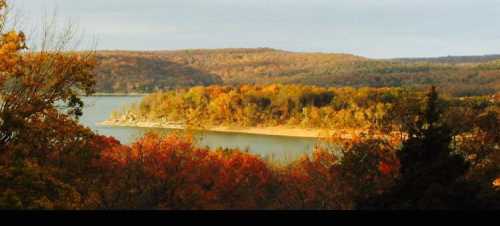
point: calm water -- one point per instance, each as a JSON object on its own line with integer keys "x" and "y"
{"x": 279, "y": 148}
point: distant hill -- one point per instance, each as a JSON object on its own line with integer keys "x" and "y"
{"x": 452, "y": 59}
{"x": 130, "y": 71}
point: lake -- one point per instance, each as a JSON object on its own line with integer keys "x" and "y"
{"x": 277, "y": 148}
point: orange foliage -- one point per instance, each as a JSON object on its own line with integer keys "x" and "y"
{"x": 180, "y": 176}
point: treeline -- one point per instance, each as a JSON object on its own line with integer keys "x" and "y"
{"x": 128, "y": 73}
{"x": 49, "y": 161}
{"x": 121, "y": 71}
{"x": 453, "y": 59}
{"x": 288, "y": 105}
{"x": 80, "y": 170}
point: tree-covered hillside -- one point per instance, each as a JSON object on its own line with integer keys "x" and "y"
{"x": 452, "y": 59}
{"x": 121, "y": 71}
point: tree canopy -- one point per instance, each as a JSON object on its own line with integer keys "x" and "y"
{"x": 146, "y": 72}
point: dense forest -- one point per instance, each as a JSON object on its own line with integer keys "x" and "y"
{"x": 293, "y": 106}
{"x": 125, "y": 71}
{"x": 50, "y": 161}
{"x": 452, "y": 59}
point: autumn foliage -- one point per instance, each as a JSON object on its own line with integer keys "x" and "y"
{"x": 270, "y": 105}
{"x": 49, "y": 161}
{"x": 146, "y": 72}
{"x": 385, "y": 110}
{"x": 170, "y": 173}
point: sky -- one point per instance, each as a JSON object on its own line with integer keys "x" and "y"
{"x": 370, "y": 28}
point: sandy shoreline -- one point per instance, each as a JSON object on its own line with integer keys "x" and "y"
{"x": 270, "y": 131}
{"x": 119, "y": 94}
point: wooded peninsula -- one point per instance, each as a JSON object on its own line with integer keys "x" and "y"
{"x": 287, "y": 110}
{"x": 445, "y": 110}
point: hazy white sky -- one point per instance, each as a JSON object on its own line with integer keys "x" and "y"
{"x": 371, "y": 28}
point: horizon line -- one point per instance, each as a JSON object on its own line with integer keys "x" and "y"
{"x": 294, "y": 51}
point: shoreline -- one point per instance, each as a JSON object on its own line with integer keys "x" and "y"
{"x": 118, "y": 94}
{"x": 268, "y": 131}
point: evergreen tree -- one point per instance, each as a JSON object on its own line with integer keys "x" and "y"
{"x": 431, "y": 173}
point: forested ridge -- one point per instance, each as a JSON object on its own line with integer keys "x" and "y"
{"x": 49, "y": 161}
{"x": 129, "y": 71}
{"x": 453, "y": 59}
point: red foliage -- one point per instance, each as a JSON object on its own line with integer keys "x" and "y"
{"x": 175, "y": 175}
{"x": 385, "y": 168}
